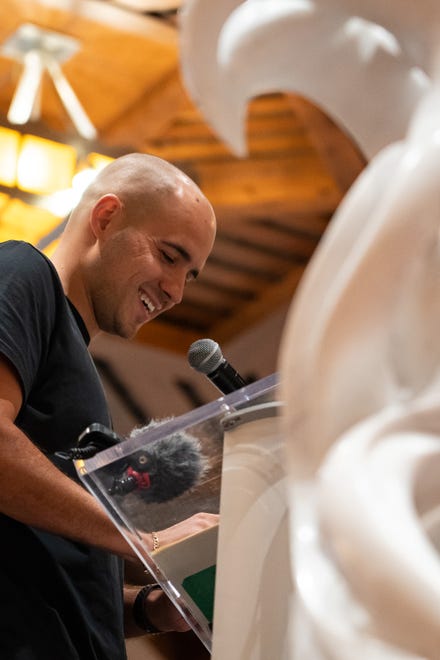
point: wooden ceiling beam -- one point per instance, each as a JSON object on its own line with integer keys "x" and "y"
{"x": 204, "y": 146}
{"x": 301, "y": 211}
{"x": 216, "y": 274}
{"x": 284, "y": 216}
{"x": 338, "y": 151}
{"x": 297, "y": 180}
{"x": 271, "y": 299}
{"x": 151, "y": 115}
{"x": 272, "y": 240}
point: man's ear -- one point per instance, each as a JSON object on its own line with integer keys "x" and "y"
{"x": 106, "y": 209}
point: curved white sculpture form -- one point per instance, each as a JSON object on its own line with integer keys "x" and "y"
{"x": 200, "y": 26}
{"x": 361, "y": 347}
{"x": 366, "y": 494}
{"x": 322, "y": 50}
{"x": 360, "y": 359}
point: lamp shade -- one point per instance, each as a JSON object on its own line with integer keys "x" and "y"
{"x": 9, "y": 150}
{"x": 45, "y": 166}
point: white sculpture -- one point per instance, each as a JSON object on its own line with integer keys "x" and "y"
{"x": 361, "y": 350}
{"x": 344, "y": 55}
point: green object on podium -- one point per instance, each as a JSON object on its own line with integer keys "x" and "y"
{"x": 201, "y": 587}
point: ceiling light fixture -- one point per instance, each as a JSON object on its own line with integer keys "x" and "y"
{"x": 41, "y": 180}
{"x": 44, "y": 51}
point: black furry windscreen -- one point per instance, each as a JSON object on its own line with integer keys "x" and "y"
{"x": 174, "y": 463}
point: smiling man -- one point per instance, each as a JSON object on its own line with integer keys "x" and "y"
{"x": 143, "y": 229}
{"x": 140, "y": 232}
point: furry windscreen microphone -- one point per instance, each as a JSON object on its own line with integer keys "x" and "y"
{"x": 163, "y": 469}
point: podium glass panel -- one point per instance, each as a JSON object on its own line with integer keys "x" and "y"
{"x": 186, "y": 569}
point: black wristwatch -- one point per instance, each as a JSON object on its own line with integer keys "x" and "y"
{"x": 139, "y": 613}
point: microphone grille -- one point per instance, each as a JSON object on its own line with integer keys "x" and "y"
{"x": 205, "y": 355}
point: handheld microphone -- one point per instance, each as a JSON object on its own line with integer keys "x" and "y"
{"x": 205, "y": 356}
{"x": 160, "y": 471}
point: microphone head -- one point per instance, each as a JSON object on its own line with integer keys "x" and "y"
{"x": 174, "y": 464}
{"x": 205, "y": 355}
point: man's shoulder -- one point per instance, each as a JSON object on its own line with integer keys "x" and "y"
{"x": 27, "y": 273}
{"x": 18, "y": 248}
{"x": 20, "y": 255}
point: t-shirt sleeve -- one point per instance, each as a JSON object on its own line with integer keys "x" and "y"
{"x": 27, "y": 309}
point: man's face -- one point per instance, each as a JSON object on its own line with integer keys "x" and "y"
{"x": 143, "y": 267}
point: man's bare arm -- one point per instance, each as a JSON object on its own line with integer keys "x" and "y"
{"x": 35, "y": 492}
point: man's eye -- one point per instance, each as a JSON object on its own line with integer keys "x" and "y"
{"x": 168, "y": 258}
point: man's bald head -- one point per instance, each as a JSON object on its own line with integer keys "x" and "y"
{"x": 140, "y": 232}
{"x": 143, "y": 182}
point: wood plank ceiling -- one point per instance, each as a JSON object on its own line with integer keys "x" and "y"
{"x": 272, "y": 207}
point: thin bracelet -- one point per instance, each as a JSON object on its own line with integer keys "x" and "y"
{"x": 156, "y": 543}
{"x": 139, "y": 614}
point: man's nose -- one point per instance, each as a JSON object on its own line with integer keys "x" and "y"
{"x": 174, "y": 287}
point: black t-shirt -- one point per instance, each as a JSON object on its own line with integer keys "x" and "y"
{"x": 59, "y": 600}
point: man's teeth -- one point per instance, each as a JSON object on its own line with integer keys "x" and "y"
{"x": 148, "y": 304}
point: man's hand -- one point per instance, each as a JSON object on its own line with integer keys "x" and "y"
{"x": 156, "y": 610}
{"x": 161, "y": 612}
{"x": 193, "y": 525}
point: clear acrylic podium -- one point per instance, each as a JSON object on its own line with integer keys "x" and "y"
{"x": 188, "y": 570}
